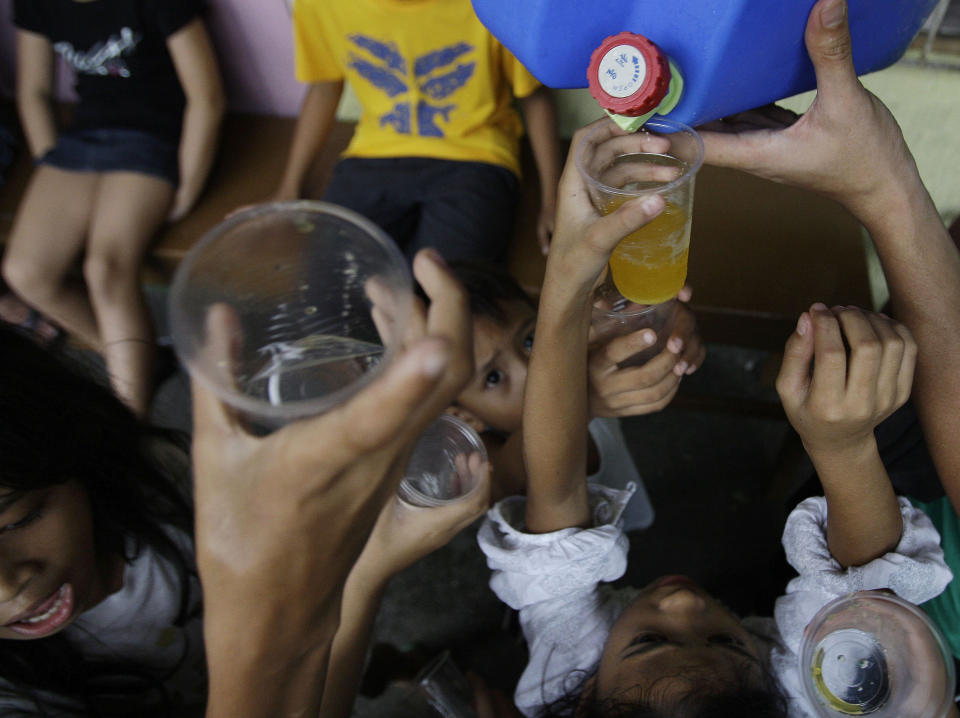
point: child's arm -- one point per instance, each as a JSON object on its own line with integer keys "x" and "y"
{"x": 317, "y": 114}
{"x": 196, "y": 65}
{"x": 555, "y": 407}
{"x": 402, "y": 535}
{"x": 849, "y": 147}
{"x": 35, "y": 74}
{"x": 540, "y": 118}
{"x": 835, "y": 410}
{"x": 314, "y": 490}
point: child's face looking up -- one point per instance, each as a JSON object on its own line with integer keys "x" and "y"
{"x": 501, "y": 352}
{"x": 674, "y": 628}
{"x": 49, "y": 572}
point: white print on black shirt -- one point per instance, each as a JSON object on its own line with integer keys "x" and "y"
{"x": 104, "y": 58}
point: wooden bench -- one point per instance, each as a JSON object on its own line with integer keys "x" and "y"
{"x": 760, "y": 252}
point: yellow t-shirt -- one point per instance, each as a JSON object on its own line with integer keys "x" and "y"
{"x": 432, "y": 81}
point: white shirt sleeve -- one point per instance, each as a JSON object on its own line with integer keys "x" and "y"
{"x": 554, "y": 579}
{"x": 915, "y": 570}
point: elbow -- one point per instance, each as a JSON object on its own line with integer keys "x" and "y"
{"x": 211, "y": 103}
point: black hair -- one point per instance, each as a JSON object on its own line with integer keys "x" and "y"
{"x": 489, "y": 288}
{"x": 744, "y": 694}
{"x": 58, "y": 424}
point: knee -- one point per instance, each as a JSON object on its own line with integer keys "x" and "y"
{"x": 27, "y": 278}
{"x": 108, "y": 273}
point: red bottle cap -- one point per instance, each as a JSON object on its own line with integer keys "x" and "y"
{"x": 628, "y": 74}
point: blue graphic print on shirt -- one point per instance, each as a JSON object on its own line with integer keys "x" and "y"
{"x": 436, "y": 74}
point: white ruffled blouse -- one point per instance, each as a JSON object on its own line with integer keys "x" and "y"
{"x": 556, "y": 582}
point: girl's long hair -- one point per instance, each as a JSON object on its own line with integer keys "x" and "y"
{"x": 58, "y": 424}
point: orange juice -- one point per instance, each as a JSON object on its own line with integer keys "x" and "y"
{"x": 649, "y": 266}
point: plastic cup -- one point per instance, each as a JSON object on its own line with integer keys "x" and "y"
{"x": 608, "y": 324}
{"x": 286, "y": 310}
{"x": 445, "y": 463}
{"x": 446, "y": 688}
{"x": 872, "y": 653}
{"x": 648, "y": 266}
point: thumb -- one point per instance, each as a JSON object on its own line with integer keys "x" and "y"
{"x": 828, "y": 43}
{"x": 794, "y": 377}
{"x": 627, "y": 218}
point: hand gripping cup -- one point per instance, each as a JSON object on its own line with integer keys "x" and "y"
{"x": 286, "y": 310}
{"x": 445, "y": 464}
{"x": 872, "y": 653}
{"x": 607, "y": 324}
{"x": 648, "y": 266}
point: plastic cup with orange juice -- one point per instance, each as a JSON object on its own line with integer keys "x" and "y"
{"x": 648, "y": 266}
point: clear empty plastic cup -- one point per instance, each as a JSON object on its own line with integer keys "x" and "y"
{"x": 446, "y": 689}
{"x": 445, "y": 464}
{"x": 287, "y": 309}
{"x": 873, "y": 653}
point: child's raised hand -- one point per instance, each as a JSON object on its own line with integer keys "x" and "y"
{"x": 583, "y": 239}
{"x": 862, "y": 372}
{"x": 405, "y": 533}
{"x": 847, "y": 145}
{"x": 636, "y": 390}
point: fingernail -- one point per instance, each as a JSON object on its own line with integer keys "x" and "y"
{"x": 675, "y": 344}
{"x": 692, "y": 368}
{"x": 649, "y": 337}
{"x": 680, "y": 368}
{"x": 833, "y": 13}
{"x": 819, "y": 307}
{"x": 803, "y": 324}
{"x": 436, "y": 256}
{"x": 652, "y": 205}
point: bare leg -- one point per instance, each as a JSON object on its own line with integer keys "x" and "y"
{"x": 48, "y": 236}
{"x": 129, "y": 209}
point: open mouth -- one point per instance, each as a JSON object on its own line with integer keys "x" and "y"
{"x": 50, "y": 615}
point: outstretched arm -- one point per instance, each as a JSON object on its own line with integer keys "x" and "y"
{"x": 835, "y": 404}
{"x": 196, "y": 66}
{"x": 313, "y": 490}
{"x": 402, "y": 535}
{"x": 540, "y": 117}
{"x": 555, "y": 406}
{"x": 848, "y": 146}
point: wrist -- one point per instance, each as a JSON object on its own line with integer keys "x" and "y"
{"x": 831, "y": 458}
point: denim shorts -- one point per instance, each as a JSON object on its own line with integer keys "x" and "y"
{"x": 114, "y": 150}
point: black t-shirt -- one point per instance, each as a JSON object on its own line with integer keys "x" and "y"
{"x": 125, "y": 75}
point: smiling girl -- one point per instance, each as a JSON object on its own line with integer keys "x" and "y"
{"x": 99, "y": 600}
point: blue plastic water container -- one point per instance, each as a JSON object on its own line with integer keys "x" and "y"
{"x": 734, "y": 54}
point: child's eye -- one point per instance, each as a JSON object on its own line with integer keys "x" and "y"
{"x": 528, "y": 343}
{"x": 31, "y": 516}
{"x": 647, "y": 638}
{"x": 725, "y": 639}
{"x": 493, "y": 379}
